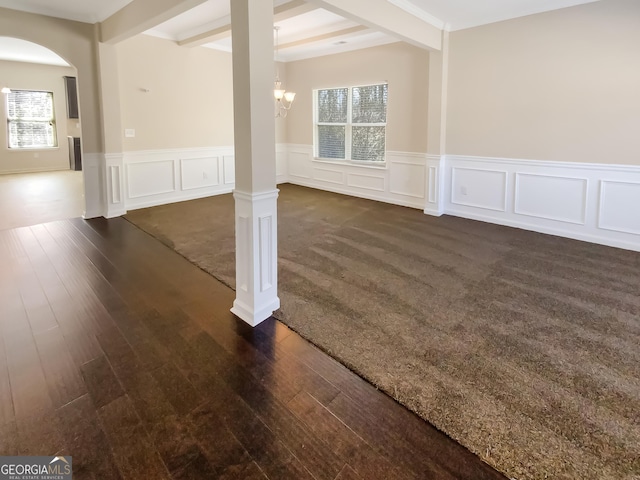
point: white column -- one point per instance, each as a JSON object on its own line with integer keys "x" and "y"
{"x": 437, "y": 128}
{"x": 255, "y": 159}
{"x": 112, "y": 164}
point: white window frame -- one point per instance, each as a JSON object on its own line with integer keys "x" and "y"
{"x": 348, "y": 128}
{"x": 52, "y": 121}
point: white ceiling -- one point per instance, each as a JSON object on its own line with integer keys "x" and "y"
{"x": 297, "y": 30}
{"x": 461, "y": 14}
{"x": 89, "y": 11}
{"x": 311, "y": 31}
{"x": 449, "y": 14}
{"x": 17, "y": 50}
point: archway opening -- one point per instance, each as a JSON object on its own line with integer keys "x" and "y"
{"x": 41, "y": 176}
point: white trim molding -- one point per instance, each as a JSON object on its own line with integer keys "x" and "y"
{"x": 113, "y": 174}
{"x": 619, "y": 192}
{"x": 256, "y": 256}
{"x": 591, "y": 202}
{"x": 435, "y": 185}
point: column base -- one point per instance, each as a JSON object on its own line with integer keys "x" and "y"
{"x": 256, "y": 256}
{"x": 254, "y": 317}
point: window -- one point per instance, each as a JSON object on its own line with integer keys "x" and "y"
{"x": 350, "y": 123}
{"x": 30, "y": 119}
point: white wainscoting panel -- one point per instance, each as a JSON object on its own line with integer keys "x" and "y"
{"x": 401, "y": 180}
{"x": 613, "y": 195}
{"x": 229, "y": 162}
{"x": 367, "y": 182}
{"x": 480, "y": 188}
{"x": 282, "y": 163}
{"x": 166, "y": 176}
{"x": 157, "y": 177}
{"x": 407, "y": 178}
{"x": 150, "y": 178}
{"x": 300, "y": 162}
{"x": 592, "y": 202}
{"x": 328, "y": 175}
{"x": 199, "y": 172}
{"x": 551, "y": 197}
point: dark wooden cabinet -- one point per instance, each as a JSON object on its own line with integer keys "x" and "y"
{"x": 75, "y": 153}
{"x": 71, "y": 87}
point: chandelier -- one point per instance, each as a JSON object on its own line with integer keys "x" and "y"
{"x": 284, "y": 99}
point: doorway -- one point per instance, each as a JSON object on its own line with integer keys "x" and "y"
{"x": 40, "y": 142}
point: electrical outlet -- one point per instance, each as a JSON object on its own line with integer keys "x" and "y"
{"x": 204, "y": 175}
{"x": 463, "y": 190}
{"x": 129, "y": 133}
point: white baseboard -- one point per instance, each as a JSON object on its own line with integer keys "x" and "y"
{"x": 595, "y": 203}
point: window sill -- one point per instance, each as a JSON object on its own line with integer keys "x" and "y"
{"x": 32, "y": 149}
{"x": 353, "y": 163}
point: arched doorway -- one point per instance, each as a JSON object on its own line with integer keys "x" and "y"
{"x": 41, "y": 176}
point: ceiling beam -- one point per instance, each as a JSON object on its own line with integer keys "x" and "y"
{"x": 325, "y": 36}
{"x": 291, "y": 9}
{"x": 209, "y": 36}
{"x": 383, "y": 16}
{"x": 140, "y": 16}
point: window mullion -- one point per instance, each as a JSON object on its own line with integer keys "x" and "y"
{"x": 347, "y": 150}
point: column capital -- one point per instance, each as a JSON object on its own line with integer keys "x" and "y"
{"x": 255, "y": 196}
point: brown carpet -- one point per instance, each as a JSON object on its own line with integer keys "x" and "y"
{"x": 523, "y": 347}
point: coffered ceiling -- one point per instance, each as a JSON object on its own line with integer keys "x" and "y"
{"x": 305, "y": 31}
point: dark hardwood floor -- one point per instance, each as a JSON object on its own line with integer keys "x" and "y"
{"x": 121, "y": 353}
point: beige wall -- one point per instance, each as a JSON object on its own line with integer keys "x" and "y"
{"x": 404, "y": 67}
{"x": 73, "y": 41}
{"x": 29, "y": 76}
{"x": 563, "y": 86}
{"x": 190, "y": 102}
